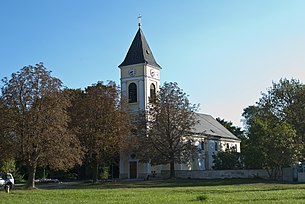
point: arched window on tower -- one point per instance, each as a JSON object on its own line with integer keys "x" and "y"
{"x": 152, "y": 97}
{"x": 132, "y": 93}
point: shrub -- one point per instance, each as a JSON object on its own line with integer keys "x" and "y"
{"x": 202, "y": 197}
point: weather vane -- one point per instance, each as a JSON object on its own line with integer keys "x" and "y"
{"x": 139, "y": 21}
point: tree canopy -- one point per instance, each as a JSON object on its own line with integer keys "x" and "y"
{"x": 275, "y": 127}
{"x": 39, "y": 121}
{"x": 102, "y": 124}
{"x": 6, "y": 134}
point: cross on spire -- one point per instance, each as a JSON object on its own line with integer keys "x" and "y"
{"x": 139, "y": 21}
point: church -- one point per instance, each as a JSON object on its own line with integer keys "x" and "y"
{"x": 140, "y": 81}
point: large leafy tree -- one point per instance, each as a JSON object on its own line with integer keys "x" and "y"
{"x": 40, "y": 119}
{"x": 275, "y": 127}
{"x": 6, "y": 134}
{"x": 101, "y": 123}
{"x": 285, "y": 100}
{"x": 169, "y": 123}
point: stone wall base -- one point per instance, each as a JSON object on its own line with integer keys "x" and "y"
{"x": 217, "y": 174}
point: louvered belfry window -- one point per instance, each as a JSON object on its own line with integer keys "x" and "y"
{"x": 152, "y": 98}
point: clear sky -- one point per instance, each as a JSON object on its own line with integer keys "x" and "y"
{"x": 223, "y": 53}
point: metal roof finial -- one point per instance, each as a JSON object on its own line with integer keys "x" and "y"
{"x": 139, "y": 20}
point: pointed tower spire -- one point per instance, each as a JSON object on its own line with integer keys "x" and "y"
{"x": 139, "y": 51}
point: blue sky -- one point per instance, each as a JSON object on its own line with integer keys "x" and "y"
{"x": 222, "y": 53}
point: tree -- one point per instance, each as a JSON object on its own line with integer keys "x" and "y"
{"x": 285, "y": 101}
{"x": 102, "y": 124}
{"x": 40, "y": 121}
{"x": 227, "y": 160}
{"x": 253, "y": 147}
{"x": 169, "y": 122}
{"x": 6, "y": 133}
{"x": 275, "y": 127}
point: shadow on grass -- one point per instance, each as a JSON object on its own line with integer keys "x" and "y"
{"x": 264, "y": 200}
{"x": 170, "y": 183}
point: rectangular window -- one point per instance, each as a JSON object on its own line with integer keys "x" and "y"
{"x": 202, "y": 145}
{"x": 216, "y": 146}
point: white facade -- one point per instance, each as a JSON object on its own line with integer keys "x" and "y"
{"x": 143, "y": 76}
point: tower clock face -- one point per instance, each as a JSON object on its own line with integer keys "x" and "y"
{"x": 132, "y": 72}
{"x": 152, "y": 73}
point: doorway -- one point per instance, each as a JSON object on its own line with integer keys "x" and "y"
{"x": 133, "y": 169}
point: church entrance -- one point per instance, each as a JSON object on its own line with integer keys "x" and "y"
{"x": 133, "y": 169}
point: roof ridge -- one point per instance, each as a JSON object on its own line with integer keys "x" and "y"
{"x": 212, "y": 124}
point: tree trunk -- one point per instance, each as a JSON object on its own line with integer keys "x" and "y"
{"x": 31, "y": 175}
{"x": 172, "y": 168}
{"x": 95, "y": 172}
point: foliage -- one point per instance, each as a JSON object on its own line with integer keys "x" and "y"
{"x": 252, "y": 152}
{"x": 39, "y": 118}
{"x": 6, "y": 134}
{"x": 169, "y": 122}
{"x": 227, "y": 160}
{"x": 105, "y": 173}
{"x": 9, "y": 166}
{"x": 275, "y": 127}
{"x": 102, "y": 125}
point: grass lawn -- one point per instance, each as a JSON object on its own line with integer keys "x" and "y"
{"x": 168, "y": 191}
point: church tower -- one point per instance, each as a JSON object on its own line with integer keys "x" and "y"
{"x": 140, "y": 81}
{"x": 140, "y": 74}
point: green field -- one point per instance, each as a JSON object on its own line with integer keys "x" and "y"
{"x": 170, "y": 191}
